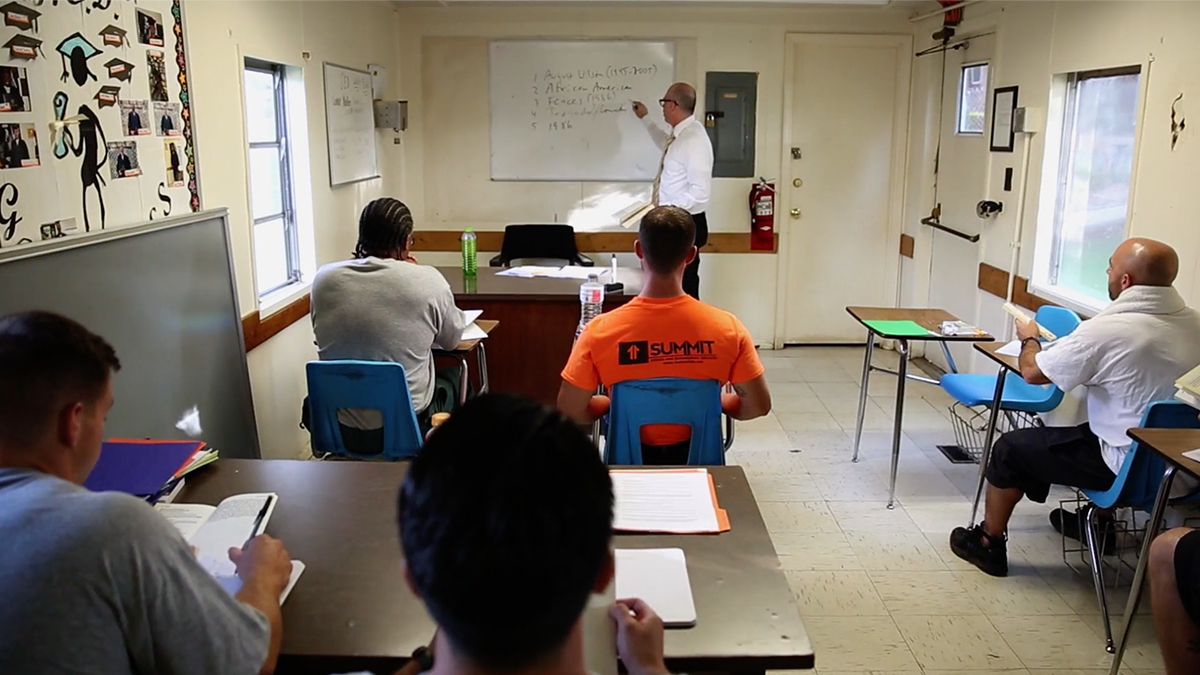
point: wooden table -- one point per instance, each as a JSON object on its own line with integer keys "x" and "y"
{"x": 1007, "y": 364}
{"x": 1171, "y": 444}
{"x": 538, "y": 318}
{"x": 929, "y": 319}
{"x": 352, "y": 610}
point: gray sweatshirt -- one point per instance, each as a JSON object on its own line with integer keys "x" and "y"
{"x": 375, "y": 309}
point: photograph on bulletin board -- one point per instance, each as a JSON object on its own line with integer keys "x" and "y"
{"x": 149, "y": 27}
{"x": 135, "y": 117}
{"x": 18, "y": 146}
{"x": 14, "y": 89}
{"x": 173, "y": 151}
{"x": 166, "y": 116}
{"x": 123, "y": 160}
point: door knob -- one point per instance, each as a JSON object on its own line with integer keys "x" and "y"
{"x": 796, "y": 214}
{"x": 796, "y": 182}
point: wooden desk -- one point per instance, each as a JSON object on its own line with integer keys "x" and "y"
{"x": 1007, "y": 364}
{"x": 351, "y": 610}
{"x": 930, "y": 320}
{"x": 460, "y": 354}
{"x": 1171, "y": 444}
{"x": 538, "y": 318}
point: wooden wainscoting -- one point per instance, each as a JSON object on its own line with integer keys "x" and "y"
{"x": 586, "y": 242}
{"x": 907, "y": 244}
{"x": 995, "y": 281}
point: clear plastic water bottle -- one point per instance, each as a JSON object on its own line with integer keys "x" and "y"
{"x": 591, "y": 302}
{"x": 468, "y": 252}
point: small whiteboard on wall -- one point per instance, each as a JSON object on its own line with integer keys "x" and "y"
{"x": 349, "y": 125}
{"x": 562, "y": 110}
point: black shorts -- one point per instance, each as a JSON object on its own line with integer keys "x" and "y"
{"x": 1187, "y": 573}
{"x": 1032, "y": 460}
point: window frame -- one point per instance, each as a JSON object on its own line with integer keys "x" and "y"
{"x": 1057, "y": 168}
{"x": 961, "y": 90}
{"x": 282, "y": 146}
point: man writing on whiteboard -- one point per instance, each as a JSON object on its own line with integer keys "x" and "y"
{"x": 685, "y": 173}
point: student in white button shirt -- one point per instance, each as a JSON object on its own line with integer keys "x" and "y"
{"x": 1127, "y": 356}
{"x": 685, "y": 173}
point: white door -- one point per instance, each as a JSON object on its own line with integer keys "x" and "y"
{"x": 846, "y": 114}
{"x": 962, "y": 182}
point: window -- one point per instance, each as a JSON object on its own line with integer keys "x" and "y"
{"x": 1086, "y": 189}
{"x": 972, "y": 99}
{"x": 269, "y": 161}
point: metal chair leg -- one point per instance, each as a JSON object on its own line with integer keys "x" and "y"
{"x": 1092, "y": 535}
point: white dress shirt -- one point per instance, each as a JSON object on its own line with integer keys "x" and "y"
{"x": 1127, "y": 357}
{"x": 686, "y": 178}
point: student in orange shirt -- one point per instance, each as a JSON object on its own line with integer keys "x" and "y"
{"x": 664, "y": 333}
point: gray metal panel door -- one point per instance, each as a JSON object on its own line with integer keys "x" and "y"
{"x": 729, "y": 117}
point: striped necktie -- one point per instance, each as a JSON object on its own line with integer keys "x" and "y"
{"x": 658, "y": 176}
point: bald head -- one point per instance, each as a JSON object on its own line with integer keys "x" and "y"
{"x": 1141, "y": 262}
{"x": 679, "y": 103}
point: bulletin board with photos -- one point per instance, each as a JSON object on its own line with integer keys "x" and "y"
{"x": 95, "y": 122}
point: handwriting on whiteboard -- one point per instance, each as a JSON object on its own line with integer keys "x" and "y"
{"x": 556, "y": 97}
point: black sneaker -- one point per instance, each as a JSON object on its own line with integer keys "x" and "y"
{"x": 1070, "y": 525}
{"x": 968, "y": 545}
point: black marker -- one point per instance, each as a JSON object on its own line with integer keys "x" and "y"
{"x": 258, "y": 520}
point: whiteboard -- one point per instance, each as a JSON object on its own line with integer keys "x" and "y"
{"x": 561, "y": 110}
{"x": 349, "y": 125}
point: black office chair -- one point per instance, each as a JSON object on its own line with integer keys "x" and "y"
{"x": 540, "y": 244}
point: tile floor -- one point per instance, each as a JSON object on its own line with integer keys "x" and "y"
{"x": 880, "y": 591}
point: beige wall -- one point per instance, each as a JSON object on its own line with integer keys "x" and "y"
{"x": 1035, "y": 41}
{"x": 302, "y": 34}
{"x": 443, "y": 138}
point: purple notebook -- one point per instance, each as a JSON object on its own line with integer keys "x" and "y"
{"x": 139, "y": 468}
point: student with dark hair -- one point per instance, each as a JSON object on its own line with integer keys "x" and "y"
{"x": 98, "y": 582}
{"x": 694, "y": 340}
{"x": 384, "y": 306}
{"x": 506, "y": 525}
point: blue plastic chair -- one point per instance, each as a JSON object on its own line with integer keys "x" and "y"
{"x": 1019, "y": 395}
{"x": 377, "y": 385}
{"x": 665, "y": 400}
{"x": 1136, "y": 486}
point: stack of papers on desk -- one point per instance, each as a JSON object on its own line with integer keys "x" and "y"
{"x": 1187, "y": 388}
{"x": 146, "y": 468}
{"x": 567, "y": 272}
{"x": 675, "y": 501}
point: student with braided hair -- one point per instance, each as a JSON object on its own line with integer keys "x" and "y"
{"x": 384, "y": 306}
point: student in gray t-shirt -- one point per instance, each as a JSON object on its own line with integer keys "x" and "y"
{"x": 99, "y": 582}
{"x": 383, "y": 306}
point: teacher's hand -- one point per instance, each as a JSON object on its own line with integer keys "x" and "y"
{"x": 639, "y": 109}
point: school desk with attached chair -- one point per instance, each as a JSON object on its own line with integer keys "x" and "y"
{"x": 902, "y": 325}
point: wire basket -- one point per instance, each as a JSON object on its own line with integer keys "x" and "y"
{"x": 1120, "y": 557}
{"x": 970, "y": 426}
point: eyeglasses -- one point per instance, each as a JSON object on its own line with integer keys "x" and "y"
{"x": 664, "y": 101}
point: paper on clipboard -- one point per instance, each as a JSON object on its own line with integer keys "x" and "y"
{"x": 677, "y": 501}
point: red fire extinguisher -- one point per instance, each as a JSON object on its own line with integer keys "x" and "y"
{"x": 762, "y": 216}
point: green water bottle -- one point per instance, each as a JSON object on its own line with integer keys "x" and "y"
{"x": 468, "y": 252}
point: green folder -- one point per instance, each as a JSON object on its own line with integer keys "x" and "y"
{"x": 898, "y": 328}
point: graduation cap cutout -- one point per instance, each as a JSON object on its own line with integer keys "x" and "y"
{"x": 78, "y": 50}
{"x": 107, "y": 96}
{"x": 119, "y": 70}
{"x": 114, "y": 36}
{"x": 23, "y": 47}
{"x": 16, "y": 14}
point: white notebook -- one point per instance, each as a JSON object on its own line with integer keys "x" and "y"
{"x": 658, "y": 576}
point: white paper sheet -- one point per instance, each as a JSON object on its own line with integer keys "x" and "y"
{"x": 566, "y": 272}
{"x": 233, "y": 583}
{"x": 660, "y": 577}
{"x": 473, "y": 332}
{"x": 1193, "y": 455}
{"x": 1012, "y": 349}
{"x": 677, "y": 502}
{"x": 472, "y": 315}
